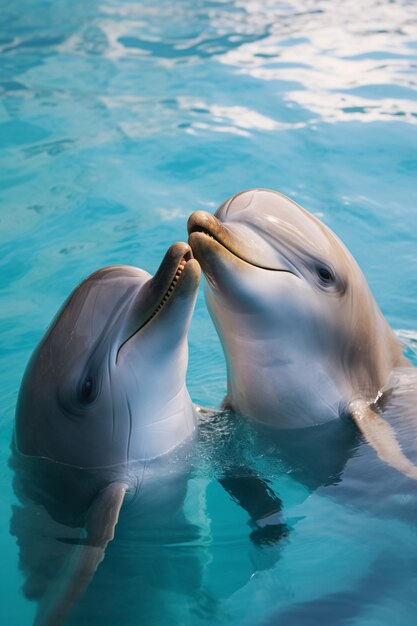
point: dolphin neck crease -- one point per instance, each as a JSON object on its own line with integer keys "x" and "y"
{"x": 175, "y": 424}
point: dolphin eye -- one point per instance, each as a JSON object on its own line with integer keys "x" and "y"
{"x": 325, "y": 275}
{"x": 86, "y": 391}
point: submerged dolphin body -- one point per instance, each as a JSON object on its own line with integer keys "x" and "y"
{"x": 304, "y": 340}
{"x": 102, "y": 411}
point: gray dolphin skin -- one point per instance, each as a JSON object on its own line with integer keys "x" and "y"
{"x": 102, "y": 407}
{"x": 110, "y": 371}
{"x": 305, "y": 342}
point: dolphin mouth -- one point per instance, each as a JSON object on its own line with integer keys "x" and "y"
{"x": 179, "y": 272}
{"x": 171, "y": 288}
{"x": 205, "y": 226}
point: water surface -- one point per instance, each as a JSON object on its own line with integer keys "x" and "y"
{"x": 117, "y": 120}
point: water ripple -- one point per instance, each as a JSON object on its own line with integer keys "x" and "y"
{"x": 350, "y": 69}
{"x": 118, "y": 118}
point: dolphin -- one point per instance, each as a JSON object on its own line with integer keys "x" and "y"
{"x": 102, "y": 410}
{"x": 304, "y": 340}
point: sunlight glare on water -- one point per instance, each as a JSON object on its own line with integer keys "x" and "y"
{"x": 117, "y": 120}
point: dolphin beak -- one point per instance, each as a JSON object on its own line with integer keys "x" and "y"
{"x": 202, "y": 225}
{"x": 178, "y": 275}
{"x": 174, "y": 256}
{"x": 209, "y": 237}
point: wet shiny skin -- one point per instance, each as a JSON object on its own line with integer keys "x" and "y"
{"x": 117, "y": 121}
{"x": 301, "y": 333}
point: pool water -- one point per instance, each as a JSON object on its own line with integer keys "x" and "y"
{"x": 117, "y": 120}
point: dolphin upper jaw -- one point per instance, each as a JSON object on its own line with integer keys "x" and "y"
{"x": 210, "y": 236}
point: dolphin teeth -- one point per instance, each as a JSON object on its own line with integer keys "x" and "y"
{"x": 170, "y": 289}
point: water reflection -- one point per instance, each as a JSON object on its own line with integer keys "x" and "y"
{"x": 353, "y": 506}
{"x": 158, "y": 554}
{"x": 347, "y": 65}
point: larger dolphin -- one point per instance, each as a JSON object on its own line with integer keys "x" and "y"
{"x": 102, "y": 407}
{"x": 304, "y": 340}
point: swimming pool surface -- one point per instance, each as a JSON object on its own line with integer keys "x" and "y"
{"x": 117, "y": 120}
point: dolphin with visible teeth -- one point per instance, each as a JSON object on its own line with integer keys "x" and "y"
{"x": 103, "y": 410}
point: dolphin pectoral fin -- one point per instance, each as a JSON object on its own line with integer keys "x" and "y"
{"x": 382, "y": 437}
{"x": 102, "y": 518}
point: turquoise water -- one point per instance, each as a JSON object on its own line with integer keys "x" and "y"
{"x": 117, "y": 120}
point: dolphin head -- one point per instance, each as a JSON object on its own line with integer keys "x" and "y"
{"x": 301, "y": 332}
{"x": 106, "y": 384}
